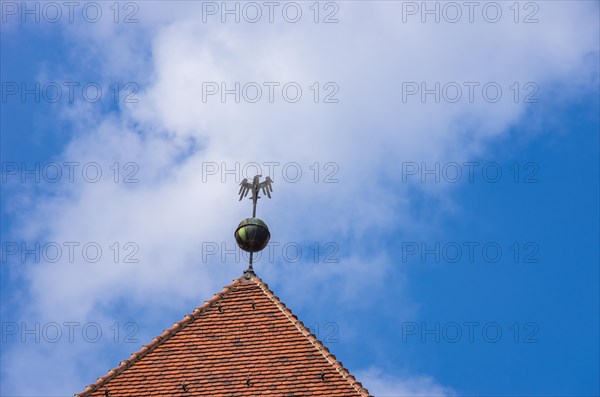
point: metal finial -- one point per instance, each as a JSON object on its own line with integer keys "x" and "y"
{"x": 255, "y": 187}
{"x": 252, "y": 234}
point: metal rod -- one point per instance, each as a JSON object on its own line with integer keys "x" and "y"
{"x": 254, "y": 200}
{"x": 255, "y": 187}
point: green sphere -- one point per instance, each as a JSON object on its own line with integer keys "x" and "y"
{"x": 252, "y": 235}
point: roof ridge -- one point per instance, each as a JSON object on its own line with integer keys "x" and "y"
{"x": 312, "y": 338}
{"x": 198, "y": 311}
{"x": 160, "y": 339}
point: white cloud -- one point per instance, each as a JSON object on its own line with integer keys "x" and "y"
{"x": 382, "y": 385}
{"x": 171, "y": 134}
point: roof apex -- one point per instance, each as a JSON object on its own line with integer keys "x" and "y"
{"x": 227, "y": 314}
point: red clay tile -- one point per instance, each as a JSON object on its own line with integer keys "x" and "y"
{"x": 243, "y": 342}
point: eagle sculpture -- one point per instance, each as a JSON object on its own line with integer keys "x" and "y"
{"x": 254, "y": 187}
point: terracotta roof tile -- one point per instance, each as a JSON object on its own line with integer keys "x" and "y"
{"x": 242, "y": 342}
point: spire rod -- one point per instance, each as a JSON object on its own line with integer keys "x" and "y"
{"x": 250, "y": 271}
{"x": 252, "y": 234}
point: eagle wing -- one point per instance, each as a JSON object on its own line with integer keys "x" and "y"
{"x": 266, "y": 186}
{"x": 245, "y": 187}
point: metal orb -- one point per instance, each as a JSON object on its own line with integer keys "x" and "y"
{"x": 252, "y": 235}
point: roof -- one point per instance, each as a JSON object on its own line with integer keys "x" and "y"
{"x": 242, "y": 342}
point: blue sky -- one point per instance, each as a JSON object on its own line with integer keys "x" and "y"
{"x": 427, "y": 282}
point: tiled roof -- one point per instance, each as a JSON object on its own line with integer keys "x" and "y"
{"x": 242, "y": 342}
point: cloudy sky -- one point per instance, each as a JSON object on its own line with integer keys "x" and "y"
{"x": 434, "y": 219}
